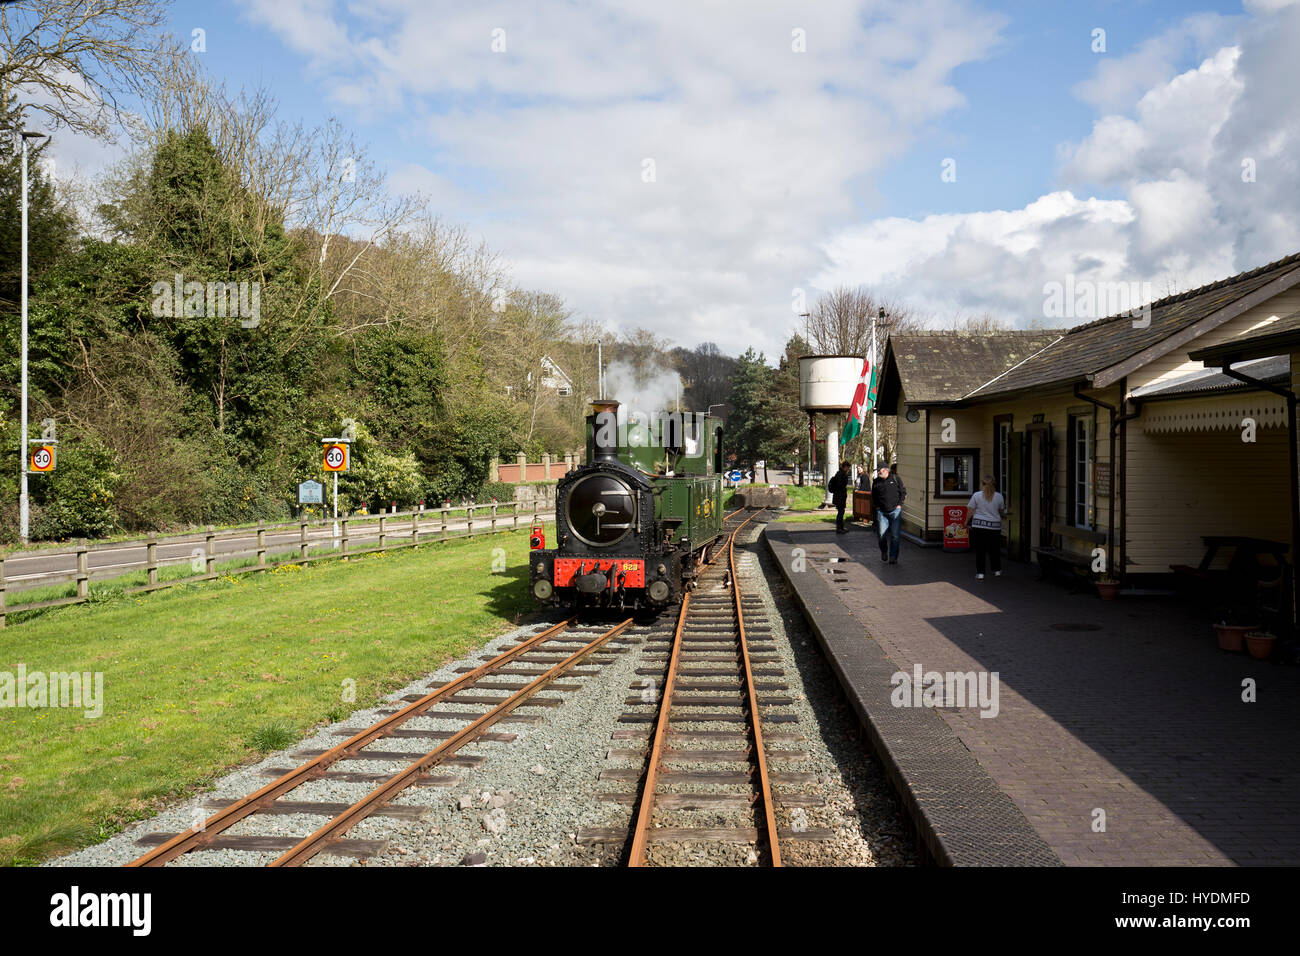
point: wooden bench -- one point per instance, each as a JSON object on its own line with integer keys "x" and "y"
{"x": 1057, "y": 557}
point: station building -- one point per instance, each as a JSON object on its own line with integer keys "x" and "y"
{"x": 1147, "y": 435}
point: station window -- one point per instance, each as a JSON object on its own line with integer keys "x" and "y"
{"x": 1002, "y": 453}
{"x": 1080, "y": 471}
{"x": 955, "y": 472}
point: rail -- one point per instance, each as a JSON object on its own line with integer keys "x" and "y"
{"x": 332, "y": 833}
{"x": 642, "y": 824}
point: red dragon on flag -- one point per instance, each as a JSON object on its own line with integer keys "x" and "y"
{"x": 864, "y": 400}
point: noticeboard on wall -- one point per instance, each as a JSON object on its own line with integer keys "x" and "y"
{"x": 1101, "y": 478}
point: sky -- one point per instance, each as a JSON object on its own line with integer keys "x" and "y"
{"x": 706, "y": 169}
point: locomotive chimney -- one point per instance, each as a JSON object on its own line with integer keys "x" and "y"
{"x": 604, "y": 430}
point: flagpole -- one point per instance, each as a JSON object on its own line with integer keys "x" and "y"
{"x": 874, "y": 443}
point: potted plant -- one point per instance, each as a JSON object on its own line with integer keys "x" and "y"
{"x": 1108, "y": 586}
{"x": 1260, "y": 644}
{"x": 1232, "y": 628}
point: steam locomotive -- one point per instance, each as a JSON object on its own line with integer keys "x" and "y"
{"x": 634, "y": 524}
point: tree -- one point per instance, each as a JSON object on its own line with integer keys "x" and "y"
{"x": 788, "y": 423}
{"x": 706, "y": 375}
{"x": 172, "y": 411}
{"x": 319, "y": 182}
{"x": 70, "y": 60}
{"x": 748, "y": 424}
{"x": 643, "y": 351}
{"x": 984, "y": 322}
{"x": 206, "y": 228}
{"x": 456, "y": 459}
{"x": 840, "y": 323}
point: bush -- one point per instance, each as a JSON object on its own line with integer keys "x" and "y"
{"x": 76, "y": 500}
{"x": 456, "y": 457}
{"x": 380, "y": 478}
{"x": 231, "y": 494}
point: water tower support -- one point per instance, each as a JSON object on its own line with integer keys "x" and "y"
{"x": 832, "y": 457}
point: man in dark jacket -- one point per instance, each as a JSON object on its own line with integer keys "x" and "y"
{"x": 838, "y": 486}
{"x": 887, "y": 497}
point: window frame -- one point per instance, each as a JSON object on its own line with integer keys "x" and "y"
{"x": 1074, "y": 484}
{"x": 1003, "y": 427}
{"x": 973, "y": 454}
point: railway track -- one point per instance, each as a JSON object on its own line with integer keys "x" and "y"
{"x": 541, "y": 659}
{"x": 716, "y": 702}
{"x": 710, "y": 652}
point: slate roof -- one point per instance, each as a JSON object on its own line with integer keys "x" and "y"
{"x": 1275, "y": 370}
{"x": 1087, "y": 349}
{"x": 943, "y": 366}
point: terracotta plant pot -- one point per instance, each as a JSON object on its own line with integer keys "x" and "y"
{"x": 1108, "y": 590}
{"x": 1260, "y": 645}
{"x": 1232, "y": 635}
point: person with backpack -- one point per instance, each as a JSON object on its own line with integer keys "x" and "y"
{"x": 984, "y": 516}
{"x": 887, "y": 497}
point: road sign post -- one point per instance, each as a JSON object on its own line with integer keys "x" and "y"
{"x": 42, "y": 455}
{"x": 336, "y": 457}
{"x": 24, "y": 503}
{"x": 310, "y": 493}
{"x": 43, "y": 458}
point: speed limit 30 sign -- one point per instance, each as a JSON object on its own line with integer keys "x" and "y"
{"x": 336, "y": 456}
{"x": 43, "y": 458}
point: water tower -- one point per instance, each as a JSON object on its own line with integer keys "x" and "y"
{"x": 826, "y": 386}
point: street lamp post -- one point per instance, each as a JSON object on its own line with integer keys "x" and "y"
{"x": 806, "y": 316}
{"x": 24, "y": 506}
{"x": 874, "y": 373}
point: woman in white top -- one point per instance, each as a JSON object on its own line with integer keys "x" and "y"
{"x": 984, "y": 517}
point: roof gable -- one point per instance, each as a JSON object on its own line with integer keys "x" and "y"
{"x": 943, "y": 366}
{"x": 1106, "y": 350}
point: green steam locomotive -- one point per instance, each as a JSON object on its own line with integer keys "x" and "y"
{"x": 637, "y": 521}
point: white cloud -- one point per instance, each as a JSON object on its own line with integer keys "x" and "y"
{"x": 1175, "y": 126}
{"x": 760, "y": 153}
{"x": 1174, "y": 152}
{"x": 757, "y": 149}
{"x": 968, "y": 263}
{"x": 1121, "y": 78}
{"x": 1268, "y": 6}
{"x": 1169, "y": 211}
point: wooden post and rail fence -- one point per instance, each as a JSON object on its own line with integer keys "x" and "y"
{"x": 332, "y": 540}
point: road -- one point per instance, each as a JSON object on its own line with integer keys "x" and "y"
{"x": 106, "y": 561}
{"x": 782, "y": 476}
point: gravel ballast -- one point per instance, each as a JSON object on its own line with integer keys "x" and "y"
{"x": 529, "y": 799}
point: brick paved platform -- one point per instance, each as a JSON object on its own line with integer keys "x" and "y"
{"x": 1127, "y": 707}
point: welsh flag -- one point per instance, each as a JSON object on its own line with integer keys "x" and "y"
{"x": 864, "y": 400}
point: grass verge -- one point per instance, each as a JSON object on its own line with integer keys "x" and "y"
{"x": 799, "y": 499}
{"x": 200, "y": 678}
{"x": 806, "y": 498}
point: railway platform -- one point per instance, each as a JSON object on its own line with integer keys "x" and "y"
{"x": 1119, "y": 734}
